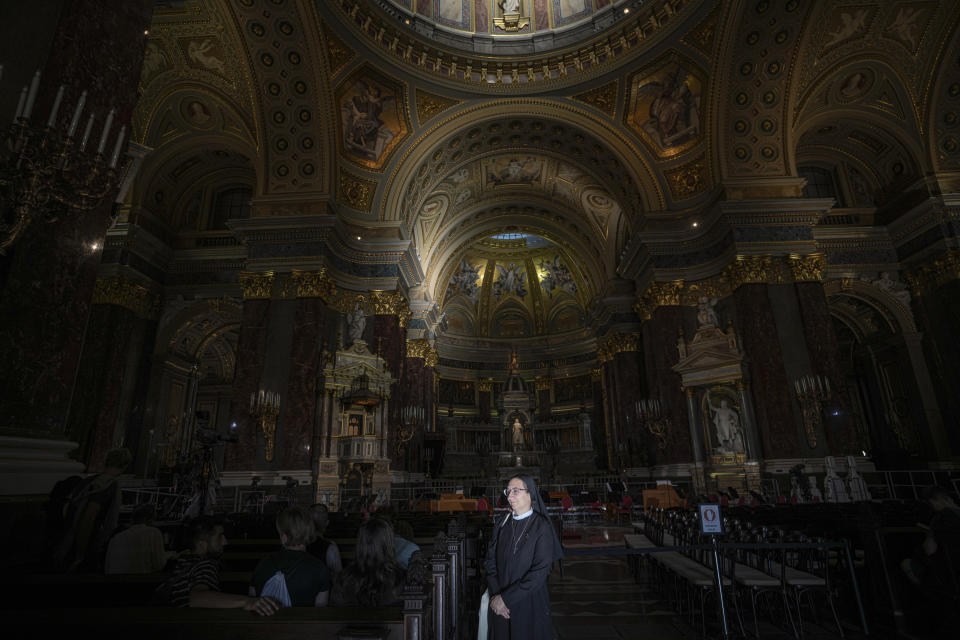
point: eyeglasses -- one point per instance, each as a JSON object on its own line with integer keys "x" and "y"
{"x": 513, "y": 491}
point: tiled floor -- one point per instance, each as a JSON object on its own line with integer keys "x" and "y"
{"x": 598, "y": 599}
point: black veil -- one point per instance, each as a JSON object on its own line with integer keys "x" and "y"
{"x": 536, "y": 503}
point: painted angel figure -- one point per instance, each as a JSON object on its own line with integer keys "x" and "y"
{"x": 557, "y": 276}
{"x": 674, "y": 114}
{"x": 510, "y": 280}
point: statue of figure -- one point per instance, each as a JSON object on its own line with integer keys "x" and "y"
{"x": 356, "y": 321}
{"x": 815, "y": 494}
{"x": 833, "y": 486}
{"x": 727, "y": 423}
{"x": 896, "y": 289}
{"x": 706, "y": 314}
{"x": 585, "y": 437}
{"x": 517, "y": 434}
{"x": 510, "y": 6}
{"x": 858, "y": 490}
{"x": 514, "y": 365}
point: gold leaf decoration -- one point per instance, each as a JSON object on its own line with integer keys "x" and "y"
{"x": 390, "y": 303}
{"x": 338, "y": 53}
{"x": 603, "y": 98}
{"x": 429, "y": 105}
{"x": 256, "y": 286}
{"x": 119, "y": 291}
{"x": 618, "y": 343}
{"x": 688, "y": 180}
{"x": 421, "y": 348}
{"x": 932, "y": 275}
{"x": 704, "y": 34}
{"x": 808, "y": 268}
{"x": 355, "y": 192}
{"x": 314, "y": 284}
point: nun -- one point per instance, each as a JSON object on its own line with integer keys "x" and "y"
{"x": 519, "y": 559}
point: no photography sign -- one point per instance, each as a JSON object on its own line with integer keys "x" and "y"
{"x": 710, "y": 521}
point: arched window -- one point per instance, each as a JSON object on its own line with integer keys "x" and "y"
{"x": 230, "y": 204}
{"x": 821, "y": 183}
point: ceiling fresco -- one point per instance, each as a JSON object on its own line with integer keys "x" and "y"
{"x": 514, "y": 284}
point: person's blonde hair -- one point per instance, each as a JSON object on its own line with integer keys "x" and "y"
{"x": 296, "y": 524}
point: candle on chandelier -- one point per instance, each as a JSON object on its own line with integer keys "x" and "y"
{"x": 76, "y": 115}
{"x": 116, "y": 147}
{"x": 106, "y": 132}
{"x": 253, "y": 399}
{"x": 56, "y": 108}
{"x": 23, "y": 98}
{"x": 32, "y": 96}
{"x": 86, "y": 133}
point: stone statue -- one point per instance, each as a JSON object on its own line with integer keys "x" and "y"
{"x": 815, "y": 494}
{"x": 585, "y": 438}
{"x": 356, "y": 321}
{"x": 727, "y": 424}
{"x": 510, "y": 6}
{"x": 833, "y": 486}
{"x": 517, "y": 434}
{"x": 706, "y": 314}
{"x": 896, "y": 289}
{"x": 857, "y": 486}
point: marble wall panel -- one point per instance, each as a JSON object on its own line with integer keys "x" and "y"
{"x": 251, "y": 349}
{"x": 660, "y": 335}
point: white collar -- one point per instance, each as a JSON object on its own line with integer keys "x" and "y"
{"x": 526, "y": 515}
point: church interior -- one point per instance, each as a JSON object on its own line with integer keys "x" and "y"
{"x": 393, "y": 252}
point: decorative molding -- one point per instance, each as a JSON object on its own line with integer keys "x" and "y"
{"x": 390, "y": 303}
{"x": 118, "y": 291}
{"x": 430, "y": 104}
{"x": 602, "y": 98}
{"x": 421, "y": 348}
{"x": 338, "y": 53}
{"x": 688, "y": 180}
{"x": 618, "y": 343}
{"x": 543, "y": 383}
{"x": 808, "y": 268}
{"x": 256, "y": 286}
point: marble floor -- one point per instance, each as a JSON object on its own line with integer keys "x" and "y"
{"x": 597, "y": 598}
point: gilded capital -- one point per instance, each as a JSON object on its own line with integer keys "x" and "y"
{"x": 314, "y": 284}
{"x": 485, "y": 384}
{"x": 618, "y": 343}
{"x": 932, "y": 275}
{"x": 420, "y": 348}
{"x": 750, "y": 270}
{"x": 543, "y": 383}
{"x": 119, "y": 291}
{"x": 390, "y": 303}
{"x": 256, "y": 286}
{"x": 808, "y": 268}
{"x": 658, "y": 294}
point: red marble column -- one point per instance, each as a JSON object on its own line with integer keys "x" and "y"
{"x": 756, "y": 327}
{"x": 598, "y": 426}
{"x": 543, "y": 400}
{"x": 938, "y": 318}
{"x": 301, "y": 413}
{"x": 660, "y": 353}
{"x": 628, "y": 379}
{"x": 251, "y": 349}
{"x": 95, "y": 409}
{"x": 390, "y": 339}
{"x": 484, "y": 401}
{"x": 48, "y": 275}
{"x": 825, "y": 359}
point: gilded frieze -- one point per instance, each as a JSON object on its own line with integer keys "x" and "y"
{"x": 314, "y": 284}
{"x": 390, "y": 303}
{"x": 121, "y": 292}
{"x": 937, "y": 273}
{"x": 808, "y": 268}
{"x": 338, "y": 53}
{"x": 688, "y": 180}
{"x": 256, "y": 286}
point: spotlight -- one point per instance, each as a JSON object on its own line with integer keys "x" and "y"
{"x": 359, "y": 238}
{"x": 695, "y": 225}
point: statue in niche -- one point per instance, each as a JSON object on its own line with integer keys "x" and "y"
{"x": 706, "y": 314}
{"x": 510, "y": 6}
{"x": 517, "y": 434}
{"x": 896, "y": 289}
{"x": 356, "y": 322}
{"x": 726, "y": 421}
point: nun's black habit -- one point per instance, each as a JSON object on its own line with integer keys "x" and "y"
{"x": 519, "y": 560}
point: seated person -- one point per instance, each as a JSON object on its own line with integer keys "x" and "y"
{"x": 307, "y": 578}
{"x": 139, "y": 548}
{"x": 932, "y": 563}
{"x": 402, "y": 532}
{"x": 324, "y": 548}
{"x": 374, "y": 578}
{"x": 196, "y": 576}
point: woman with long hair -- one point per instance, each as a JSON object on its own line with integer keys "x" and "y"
{"x": 373, "y": 578}
{"x": 520, "y": 557}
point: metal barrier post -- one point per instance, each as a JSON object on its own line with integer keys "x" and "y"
{"x": 719, "y": 576}
{"x": 856, "y": 588}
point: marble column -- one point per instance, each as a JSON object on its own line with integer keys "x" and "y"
{"x": 660, "y": 334}
{"x": 47, "y": 275}
{"x": 389, "y": 340}
{"x": 417, "y": 385}
{"x": 757, "y": 329}
{"x": 301, "y": 413}
{"x": 824, "y": 353}
{"x": 251, "y": 351}
{"x": 543, "y": 397}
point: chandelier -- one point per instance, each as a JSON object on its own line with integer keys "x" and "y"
{"x": 46, "y": 170}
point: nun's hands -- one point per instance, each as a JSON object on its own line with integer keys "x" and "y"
{"x": 499, "y": 607}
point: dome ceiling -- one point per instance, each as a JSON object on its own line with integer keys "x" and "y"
{"x": 514, "y": 284}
